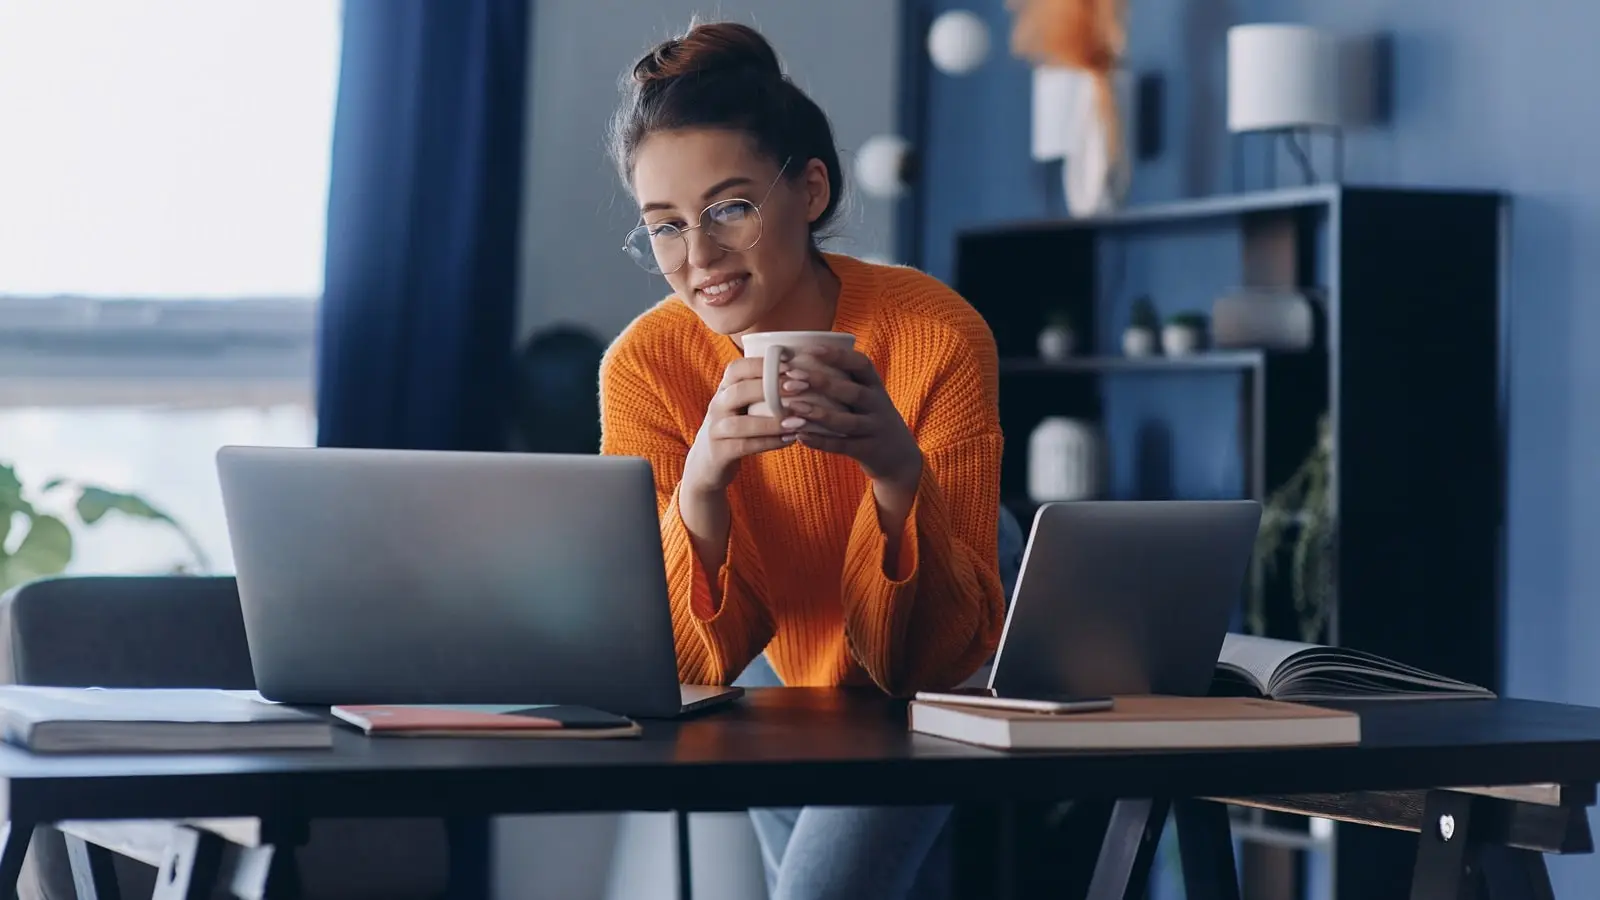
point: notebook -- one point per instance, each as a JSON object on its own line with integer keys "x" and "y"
{"x": 1290, "y": 670}
{"x": 136, "y": 720}
{"x": 457, "y": 720}
{"x": 1144, "y": 723}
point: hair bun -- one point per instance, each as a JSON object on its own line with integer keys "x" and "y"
{"x": 714, "y": 47}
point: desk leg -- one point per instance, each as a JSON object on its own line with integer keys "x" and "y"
{"x": 94, "y": 872}
{"x": 190, "y": 867}
{"x": 1128, "y": 851}
{"x": 1454, "y": 864}
{"x": 14, "y": 839}
{"x": 680, "y": 821}
{"x": 1511, "y": 873}
{"x": 471, "y": 841}
{"x": 1205, "y": 843}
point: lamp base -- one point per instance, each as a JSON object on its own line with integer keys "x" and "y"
{"x": 1300, "y": 143}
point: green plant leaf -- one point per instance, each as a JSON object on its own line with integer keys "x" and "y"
{"x": 11, "y": 499}
{"x": 45, "y": 550}
{"x": 95, "y": 502}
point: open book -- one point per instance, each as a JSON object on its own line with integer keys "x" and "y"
{"x": 1292, "y": 671}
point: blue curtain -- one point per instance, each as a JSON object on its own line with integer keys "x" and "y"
{"x": 424, "y": 199}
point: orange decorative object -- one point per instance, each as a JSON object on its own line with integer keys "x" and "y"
{"x": 1078, "y": 34}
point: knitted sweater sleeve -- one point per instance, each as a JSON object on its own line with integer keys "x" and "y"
{"x": 929, "y": 618}
{"x": 714, "y": 640}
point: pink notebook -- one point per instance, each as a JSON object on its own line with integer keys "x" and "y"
{"x": 487, "y": 721}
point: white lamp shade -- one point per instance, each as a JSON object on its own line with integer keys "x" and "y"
{"x": 1281, "y": 76}
{"x": 958, "y": 42}
{"x": 880, "y": 165}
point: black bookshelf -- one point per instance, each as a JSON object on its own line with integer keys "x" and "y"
{"x": 1407, "y": 364}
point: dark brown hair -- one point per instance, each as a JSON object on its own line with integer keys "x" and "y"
{"x": 725, "y": 75}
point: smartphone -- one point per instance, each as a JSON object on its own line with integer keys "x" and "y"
{"x": 1036, "y": 703}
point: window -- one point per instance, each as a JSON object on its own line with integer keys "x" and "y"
{"x": 163, "y": 184}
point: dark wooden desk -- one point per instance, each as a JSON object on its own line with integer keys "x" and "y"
{"x": 792, "y": 747}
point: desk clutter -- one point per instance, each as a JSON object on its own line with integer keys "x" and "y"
{"x": 1261, "y": 696}
{"x": 1262, "y": 691}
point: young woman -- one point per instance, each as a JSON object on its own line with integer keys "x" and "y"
{"x": 863, "y": 558}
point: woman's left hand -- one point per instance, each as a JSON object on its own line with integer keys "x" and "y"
{"x": 869, "y": 428}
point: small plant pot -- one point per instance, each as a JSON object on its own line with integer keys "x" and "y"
{"x": 1056, "y": 343}
{"x": 1180, "y": 340}
{"x": 1139, "y": 342}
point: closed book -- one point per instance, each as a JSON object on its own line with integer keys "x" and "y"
{"x": 138, "y": 720}
{"x": 1145, "y": 723}
{"x": 499, "y": 720}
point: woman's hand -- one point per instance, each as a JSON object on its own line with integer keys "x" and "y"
{"x": 869, "y": 428}
{"x": 728, "y": 435}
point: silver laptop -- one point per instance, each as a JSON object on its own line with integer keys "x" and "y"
{"x": 400, "y": 576}
{"x": 1125, "y": 597}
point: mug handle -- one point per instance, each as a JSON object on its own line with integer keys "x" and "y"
{"x": 769, "y": 380}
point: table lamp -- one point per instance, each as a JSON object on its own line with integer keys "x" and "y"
{"x": 1283, "y": 80}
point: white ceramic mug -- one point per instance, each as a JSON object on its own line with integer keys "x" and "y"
{"x": 769, "y": 346}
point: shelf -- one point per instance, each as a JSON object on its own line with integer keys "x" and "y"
{"x": 1211, "y": 361}
{"x": 1182, "y": 211}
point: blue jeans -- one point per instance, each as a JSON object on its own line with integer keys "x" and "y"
{"x": 828, "y": 852}
{"x": 892, "y": 853}
{"x": 824, "y": 852}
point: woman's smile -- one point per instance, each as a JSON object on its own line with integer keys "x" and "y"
{"x": 721, "y": 290}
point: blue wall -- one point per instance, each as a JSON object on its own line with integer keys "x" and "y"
{"x": 1486, "y": 93}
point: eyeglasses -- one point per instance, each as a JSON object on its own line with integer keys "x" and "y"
{"x": 733, "y": 224}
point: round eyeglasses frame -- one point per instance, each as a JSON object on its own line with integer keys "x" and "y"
{"x": 651, "y": 264}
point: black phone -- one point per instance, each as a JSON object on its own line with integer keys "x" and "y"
{"x": 1037, "y": 703}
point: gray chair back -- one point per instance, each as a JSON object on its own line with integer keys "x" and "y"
{"x": 134, "y": 631}
{"x": 187, "y": 631}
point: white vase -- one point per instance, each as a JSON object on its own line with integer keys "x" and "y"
{"x": 1270, "y": 320}
{"x": 1055, "y": 343}
{"x": 1065, "y": 459}
{"x": 1180, "y": 340}
{"x": 1138, "y": 342}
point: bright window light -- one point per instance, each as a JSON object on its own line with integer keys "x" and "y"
{"x": 165, "y": 149}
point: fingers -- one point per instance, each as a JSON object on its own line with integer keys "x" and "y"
{"x": 732, "y": 399}
{"x": 839, "y": 421}
{"x": 814, "y": 375}
{"x": 741, "y": 427}
{"x": 852, "y": 362}
{"x": 739, "y": 436}
{"x": 742, "y": 369}
{"x": 827, "y": 443}
{"x": 750, "y": 446}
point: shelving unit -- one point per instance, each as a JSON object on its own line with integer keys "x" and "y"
{"x": 1406, "y": 365}
{"x": 1236, "y": 360}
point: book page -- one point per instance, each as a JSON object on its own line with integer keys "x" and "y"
{"x": 1258, "y": 657}
{"x": 1331, "y": 673}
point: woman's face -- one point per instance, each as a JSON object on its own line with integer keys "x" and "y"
{"x": 677, "y": 174}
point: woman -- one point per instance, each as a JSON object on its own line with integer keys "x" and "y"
{"x": 863, "y": 558}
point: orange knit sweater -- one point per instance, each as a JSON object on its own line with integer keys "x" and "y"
{"x": 804, "y": 577}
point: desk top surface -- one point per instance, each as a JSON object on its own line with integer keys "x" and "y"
{"x": 784, "y": 746}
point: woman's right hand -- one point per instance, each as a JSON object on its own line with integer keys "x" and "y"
{"x": 728, "y": 434}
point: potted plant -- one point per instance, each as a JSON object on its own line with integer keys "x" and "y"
{"x": 1297, "y": 519}
{"x": 36, "y": 543}
{"x": 1139, "y": 339}
{"x": 1184, "y": 333}
{"x": 1057, "y": 339}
